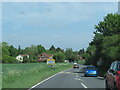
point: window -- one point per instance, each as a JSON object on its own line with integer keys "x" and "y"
{"x": 115, "y": 67}
{"x": 118, "y": 66}
{"x": 91, "y": 68}
{"x": 111, "y": 67}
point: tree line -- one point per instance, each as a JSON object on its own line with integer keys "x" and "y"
{"x": 9, "y": 53}
{"x": 105, "y": 46}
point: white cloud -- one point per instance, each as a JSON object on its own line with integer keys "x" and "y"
{"x": 57, "y": 14}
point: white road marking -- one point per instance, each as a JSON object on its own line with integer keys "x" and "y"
{"x": 100, "y": 77}
{"x": 76, "y": 76}
{"x": 45, "y": 80}
{"x": 83, "y": 85}
{"x": 78, "y": 70}
{"x": 77, "y": 79}
{"x": 77, "y": 73}
{"x": 67, "y": 73}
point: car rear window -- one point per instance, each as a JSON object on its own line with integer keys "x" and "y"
{"x": 91, "y": 68}
{"x": 118, "y": 66}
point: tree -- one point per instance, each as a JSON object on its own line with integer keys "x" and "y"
{"x": 40, "y": 49}
{"x": 89, "y": 55}
{"x": 26, "y": 59}
{"x": 8, "y": 59}
{"x": 12, "y": 51}
{"x": 5, "y": 53}
{"x": 19, "y": 50}
{"x": 5, "y": 48}
{"x": 70, "y": 55}
{"x": 59, "y": 57}
{"x": 81, "y": 51}
{"x": 59, "y": 49}
{"x": 52, "y": 48}
{"x": 32, "y": 52}
{"x": 106, "y": 41}
{"x": 110, "y": 25}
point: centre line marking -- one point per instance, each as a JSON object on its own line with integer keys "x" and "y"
{"x": 83, "y": 85}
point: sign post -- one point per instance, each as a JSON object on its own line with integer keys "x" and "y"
{"x": 50, "y": 62}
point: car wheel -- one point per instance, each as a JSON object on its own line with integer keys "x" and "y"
{"x": 115, "y": 87}
{"x": 106, "y": 86}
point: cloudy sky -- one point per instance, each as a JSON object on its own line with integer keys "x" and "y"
{"x": 62, "y": 24}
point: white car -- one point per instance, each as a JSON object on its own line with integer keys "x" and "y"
{"x": 75, "y": 63}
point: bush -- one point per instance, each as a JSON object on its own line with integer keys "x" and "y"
{"x": 59, "y": 57}
{"x": 34, "y": 61}
{"x": 8, "y": 59}
{"x": 26, "y": 59}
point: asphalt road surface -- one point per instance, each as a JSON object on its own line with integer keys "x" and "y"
{"x": 72, "y": 78}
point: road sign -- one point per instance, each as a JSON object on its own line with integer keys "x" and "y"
{"x": 50, "y": 61}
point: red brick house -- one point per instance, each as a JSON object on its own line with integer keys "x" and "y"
{"x": 43, "y": 57}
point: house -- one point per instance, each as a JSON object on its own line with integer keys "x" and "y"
{"x": 81, "y": 57}
{"x": 43, "y": 57}
{"x": 67, "y": 61}
{"x": 20, "y": 57}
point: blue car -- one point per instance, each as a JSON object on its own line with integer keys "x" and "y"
{"x": 90, "y": 71}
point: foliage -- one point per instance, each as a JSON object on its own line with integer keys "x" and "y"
{"x": 26, "y": 59}
{"x": 12, "y": 51}
{"x": 40, "y": 49}
{"x": 81, "y": 51}
{"x": 59, "y": 57}
{"x": 19, "y": 50}
{"x": 59, "y": 50}
{"x": 71, "y": 55}
{"x": 8, "y": 59}
{"x": 52, "y": 48}
{"x": 110, "y": 25}
{"x": 32, "y": 52}
{"x": 106, "y": 42}
{"x": 5, "y": 48}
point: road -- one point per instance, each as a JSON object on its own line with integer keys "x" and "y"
{"x": 72, "y": 78}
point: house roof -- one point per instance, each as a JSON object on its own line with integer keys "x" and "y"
{"x": 45, "y": 55}
{"x": 23, "y": 55}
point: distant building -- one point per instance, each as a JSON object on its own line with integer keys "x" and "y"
{"x": 43, "y": 57}
{"x": 119, "y": 7}
{"x": 67, "y": 61}
{"x": 20, "y": 57}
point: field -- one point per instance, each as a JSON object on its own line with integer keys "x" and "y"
{"x": 28, "y": 74}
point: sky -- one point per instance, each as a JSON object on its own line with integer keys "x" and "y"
{"x": 62, "y": 24}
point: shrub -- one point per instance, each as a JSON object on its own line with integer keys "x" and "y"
{"x": 26, "y": 59}
{"x": 8, "y": 59}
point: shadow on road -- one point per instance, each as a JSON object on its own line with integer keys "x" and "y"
{"x": 78, "y": 72}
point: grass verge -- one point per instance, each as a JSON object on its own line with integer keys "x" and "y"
{"x": 20, "y": 76}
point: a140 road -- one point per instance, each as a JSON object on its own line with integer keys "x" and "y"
{"x": 72, "y": 78}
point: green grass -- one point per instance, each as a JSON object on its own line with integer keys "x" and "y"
{"x": 29, "y": 74}
{"x": 0, "y": 76}
{"x": 81, "y": 61}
